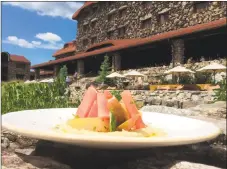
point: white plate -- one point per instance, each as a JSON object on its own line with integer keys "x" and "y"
{"x": 39, "y": 124}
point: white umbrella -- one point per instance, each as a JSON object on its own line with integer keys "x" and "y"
{"x": 213, "y": 68}
{"x": 115, "y": 75}
{"x": 178, "y": 70}
{"x": 134, "y": 73}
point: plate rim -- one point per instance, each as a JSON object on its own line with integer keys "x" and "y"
{"x": 75, "y": 138}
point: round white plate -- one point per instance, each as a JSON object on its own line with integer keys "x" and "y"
{"x": 39, "y": 124}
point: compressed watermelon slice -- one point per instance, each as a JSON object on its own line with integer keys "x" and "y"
{"x": 103, "y": 110}
{"x": 87, "y": 102}
{"x": 94, "y": 110}
{"x": 108, "y": 94}
{"x": 132, "y": 109}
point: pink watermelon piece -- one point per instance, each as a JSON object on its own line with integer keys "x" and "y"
{"x": 132, "y": 109}
{"x": 102, "y": 105}
{"x": 129, "y": 103}
{"x": 94, "y": 110}
{"x": 108, "y": 94}
{"x": 87, "y": 102}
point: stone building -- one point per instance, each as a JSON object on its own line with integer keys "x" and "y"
{"x": 142, "y": 34}
{"x": 14, "y": 67}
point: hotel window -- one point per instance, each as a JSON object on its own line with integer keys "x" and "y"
{"x": 201, "y": 6}
{"x": 85, "y": 28}
{"x": 147, "y": 4}
{"x": 94, "y": 9}
{"x": 162, "y": 18}
{"x": 93, "y": 24}
{"x": 110, "y": 34}
{"x": 85, "y": 42}
{"x": 20, "y": 65}
{"x": 111, "y": 17}
{"x": 93, "y": 40}
{"x": 122, "y": 12}
{"x": 146, "y": 23}
{"x": 110, "y": 3}
{"x": 121, "y": 31}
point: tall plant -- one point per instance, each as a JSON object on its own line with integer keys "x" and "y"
{"x": 105, "y": 70}
{"x": 220, "y": 94}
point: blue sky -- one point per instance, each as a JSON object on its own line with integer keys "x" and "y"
{"x": 37, "y": 29}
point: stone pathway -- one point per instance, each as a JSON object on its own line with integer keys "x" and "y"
{"x": 24, "y": 153}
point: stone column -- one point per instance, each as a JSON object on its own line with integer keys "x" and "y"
{"x": 80, "y": 66}
{"x": 177, "y": 51}
{"x": 56, "y": 70}
{"x": 116, "y": 61}
{"x": 37, "y": 74}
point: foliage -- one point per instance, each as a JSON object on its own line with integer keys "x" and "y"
{"x": 203, "y": 78}
{"x": 105, "y": 69}
{"x": 164, "y": 81}
{"x": 117, "y": 94}
{"x": 220, "y": 94}
{"x": 186, "y": 79}
{"x": 18, "y": 96}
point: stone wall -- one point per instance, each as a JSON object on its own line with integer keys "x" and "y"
{"x": 13, "y": 71}
{"x": 178, "y": 99}
{"x": 181, "y": 15}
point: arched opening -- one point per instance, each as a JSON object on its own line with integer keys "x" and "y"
{"x": 4, "y": 65}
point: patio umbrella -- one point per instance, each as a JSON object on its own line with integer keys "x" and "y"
{"x": 178, "y": 70}
{"x": 134, "y": 73}
{"x": 213, "y": 68}
{"x": 115, "y": 75}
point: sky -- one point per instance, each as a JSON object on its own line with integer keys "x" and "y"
{"x": 36, "y": 30}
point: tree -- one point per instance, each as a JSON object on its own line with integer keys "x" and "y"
{"x": 105, "y": 69}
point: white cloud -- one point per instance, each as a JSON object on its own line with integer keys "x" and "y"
{"x": 53, "y": 9}
{"x": 52, "y": 41}
{"x": 19, "y": 42}
{"x": 49, "y": 37}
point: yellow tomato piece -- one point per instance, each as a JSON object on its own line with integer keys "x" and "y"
{"x": 93, "y": 124}
{"x": 118, "y": 111}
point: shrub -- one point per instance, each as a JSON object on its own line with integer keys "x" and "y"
{"x": 220, "y": 94}
{"x": 203, "y": 78}
{"x": 186, "y": 79}
{"x": 105, "y": 70}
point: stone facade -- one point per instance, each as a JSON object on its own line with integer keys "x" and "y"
{"x": 124, "y": 20}
{"x": 18, "y": 73}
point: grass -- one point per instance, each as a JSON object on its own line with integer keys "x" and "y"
{"x": 18, "y": 96}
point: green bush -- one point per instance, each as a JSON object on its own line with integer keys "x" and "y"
{"x": 21, "y": 96}
{"x": 203, "y": 78}
{"x": 105, "y": 70}
{"x": 220, "y": 94}
{"x": 185, "y": 79}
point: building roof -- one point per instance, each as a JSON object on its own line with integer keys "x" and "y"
{"x": 17, "y": 58}
{"x": 127, "y": 43}
{"x": 68, "y": 47}
{"x": 86, "y": 4}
